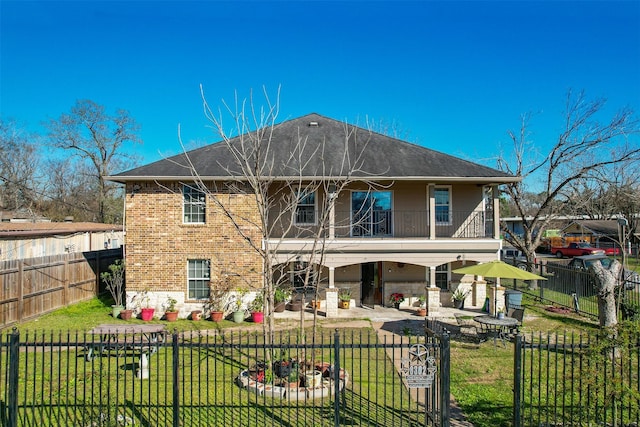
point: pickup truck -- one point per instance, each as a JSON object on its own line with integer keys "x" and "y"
{"x": 576, "y": 249}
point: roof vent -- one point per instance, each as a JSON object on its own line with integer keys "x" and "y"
{"x": 313, "y": 124}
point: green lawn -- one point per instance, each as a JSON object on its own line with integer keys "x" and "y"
{"x": 481, "y": 375}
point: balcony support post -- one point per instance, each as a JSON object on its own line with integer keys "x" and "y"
{"x": 432, "y": 211}
{"x": 495, "y": 192}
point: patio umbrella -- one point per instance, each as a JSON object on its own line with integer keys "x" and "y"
{"x": 498, "y": 269}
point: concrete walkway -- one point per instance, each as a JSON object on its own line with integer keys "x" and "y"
{"x": 389, "y": 324}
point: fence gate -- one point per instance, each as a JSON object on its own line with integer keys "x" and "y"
{"x": 206, "y": 378}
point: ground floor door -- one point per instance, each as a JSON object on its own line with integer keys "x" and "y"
{"x": 370, "y": 284}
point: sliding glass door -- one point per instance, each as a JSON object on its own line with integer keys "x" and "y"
{"x": 371, "y": 214}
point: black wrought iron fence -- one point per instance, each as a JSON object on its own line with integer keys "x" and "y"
{"x": 563, "y": 380}
{"x": 573, "y": 289}
{"x": 194, "y": 378}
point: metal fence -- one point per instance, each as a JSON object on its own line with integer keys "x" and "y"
{"x": 572, "y": 380}
{"x": 206, "y": 378}
{"x": 573, "y": 289}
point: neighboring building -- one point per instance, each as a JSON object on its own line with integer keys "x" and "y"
{"x": 20, "y": 240}
{"x": 429, "y": 214}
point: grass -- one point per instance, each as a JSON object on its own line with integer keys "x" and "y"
{"x": 85, "y": 315}
{"x": 481, "y": 375}
{"x": 66, "y": 390}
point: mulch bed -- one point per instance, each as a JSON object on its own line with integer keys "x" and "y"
{"x": 559, "y": 310}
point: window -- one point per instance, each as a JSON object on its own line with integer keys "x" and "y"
{"x": 442, "y": 197}
{"x": 442, "y": 276}
{"x": 306, "y": 208}
{"x": 198, "y": 278}
{"x": 371, "y": 213}
{"x": 194, "y": 204}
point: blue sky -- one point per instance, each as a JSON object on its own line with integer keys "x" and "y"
{"x": 454, "y": 76}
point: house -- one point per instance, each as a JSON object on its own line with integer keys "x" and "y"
{"x": 20, "y": 239}
{"x": 400, "y": 219}
{"x": 599, "y": 232}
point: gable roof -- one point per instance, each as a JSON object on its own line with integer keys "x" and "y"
{"x": 321, "y": 144}
{"x": 593, "y": 226}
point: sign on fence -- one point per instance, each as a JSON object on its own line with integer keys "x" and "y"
{"x": 419, "y": 368}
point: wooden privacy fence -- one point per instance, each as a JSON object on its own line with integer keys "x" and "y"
{"x": 34, "y": 286}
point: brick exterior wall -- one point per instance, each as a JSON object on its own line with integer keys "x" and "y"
{"x": 158, "y": 244}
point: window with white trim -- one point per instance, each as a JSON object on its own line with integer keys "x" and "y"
{"x": 198, "y": 276}
{"x": 194, "y": 205}
{"x": 442, "y": 196}
{"x": 306, "y": 208}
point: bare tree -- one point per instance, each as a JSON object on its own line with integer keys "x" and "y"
{"x": 583, "y": 151}
{"x": 278, "y": 187}
{"x": 19, "y": 161}
{"x": 97, "y": 139}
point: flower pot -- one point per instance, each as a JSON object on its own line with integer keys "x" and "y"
{"x": 171, "y": 316}
{"x": 282, "y": 368}
{"x": 126, "y": 314}
{"x": 257, "y": 317}
{"x": 238, "y": 316}
{"x": 196, "y": 315}
{"x": 279, "y": 307}
{"x": 422, "y": 312}
{"x": 312, "y": 378}
{"x": 115, "y": 310}
{"x": 216, "y": 316}
{"x": 295, "y": 306}
{"x": 397, "y": 305}
{"x": 344, "y": 304}
{"x": 146, "y": 314}
{"x": 500, "y": 315}
{"x": 458, "y": 303}
{"x": 314, "y": 304}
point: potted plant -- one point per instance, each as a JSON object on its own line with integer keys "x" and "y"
{"x": 396, "y": 298}
{"x": 422, "y": 305}
{"x": 215, "y": 304}
{"x": 170, "y": 313}
{"x": 344, "y": 295}
{"x": 239, "y": 313}
{"x": 280, "y": 297}
{"x": 142, "y": 302}
{"x": 314, "y": 304}
{"x": 458, "y": 298}
{"x": 114, "y": 279}
{"x": 256, "y": 308}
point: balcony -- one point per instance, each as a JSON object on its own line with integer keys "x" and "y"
{"x": 405, "y": 224}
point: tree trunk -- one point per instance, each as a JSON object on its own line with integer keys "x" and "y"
{"x": 606, "y": 281}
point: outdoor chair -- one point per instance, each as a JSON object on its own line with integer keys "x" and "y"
{"x": 467, "y": 327}
{"x": 518, "y": 314}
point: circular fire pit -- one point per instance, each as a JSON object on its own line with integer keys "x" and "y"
{"x": 310, "y": 384}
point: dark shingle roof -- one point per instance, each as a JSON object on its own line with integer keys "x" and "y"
{"x": 322, "y": 143}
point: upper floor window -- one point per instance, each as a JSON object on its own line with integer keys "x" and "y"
{"x": 194, "y": 204}
{"x": 306, "y": 208}
{"x": 442, "y": 196}
{"x": 371, "y": 213}
{"x": 198, "y": 276}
